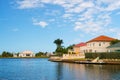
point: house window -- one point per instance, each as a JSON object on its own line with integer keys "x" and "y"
{"x": 90, "y": 50}
{"x": 27, "y": 54}
{"x": 95, "y": 51}
{"x": 84, "y": 51}
{"x": 103, "y": 42}
{"x": 99, "y": 44}
{"x": 88, "y": 44}
{"x": 93, "y": 44}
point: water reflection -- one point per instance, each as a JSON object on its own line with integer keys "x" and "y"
{"x": 92, "y": 72}
{"x": 42, "y": 69}
{"x": 59, "y": 70}
{"x": 102, "y": 72}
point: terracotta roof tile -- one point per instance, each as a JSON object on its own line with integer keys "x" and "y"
{"x": 80, "y": 44}
{"x": 102, "y": 38}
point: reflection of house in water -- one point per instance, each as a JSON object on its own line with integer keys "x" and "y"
{"x": 67, "y": 71}
{"x": 27, "y": 54}
{"x": 76, "y": 70}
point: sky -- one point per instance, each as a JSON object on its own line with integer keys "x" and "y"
{"x": 35, "y": 24}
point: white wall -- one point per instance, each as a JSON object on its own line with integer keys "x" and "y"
{"x": 73, "y": 56}
{"x": 95, "y": 47}
{"x": 24, "y": 55}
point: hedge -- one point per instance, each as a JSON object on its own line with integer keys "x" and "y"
{"x": 103, "y": 55}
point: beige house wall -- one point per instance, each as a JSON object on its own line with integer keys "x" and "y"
{"x": 82, "y": 49}
{"x": 76, "y": 50}
{"x": 95, "y": 47}
{"x": 72, "y": 56}
{"x": 70, "y": 51}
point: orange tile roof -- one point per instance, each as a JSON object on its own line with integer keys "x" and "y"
{"x": 80, "y": 44}
{"x": 102, "y": 38}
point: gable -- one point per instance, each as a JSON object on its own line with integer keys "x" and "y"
{"x": 101, "y": 38}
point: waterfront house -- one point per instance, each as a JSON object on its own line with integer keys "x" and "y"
{"x": 77, "y": 47}
{"x": 75, "y": 52}
{"x": 114, "y": 47}
{"x": 27, "y": 54}
{"x": 95, "y": 45}
{"x": 15, "y": 55}
{"x": 98, "y": 44}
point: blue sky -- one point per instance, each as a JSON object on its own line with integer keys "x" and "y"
{"x": 35, "y": 24}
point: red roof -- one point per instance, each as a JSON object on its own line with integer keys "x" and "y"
{"x": 102, "y": 38}
{"x": 80, "y": 44}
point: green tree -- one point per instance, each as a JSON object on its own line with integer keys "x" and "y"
{"x": 65, "y": 50}
{"x": 58, "y": 42}
{"x": 70, "y": 46}
{"x": 7, "y": 54}
{"x": 59, "y": 49}
{"x": 114, "y": 41}
{"x": 0, "y": 55}
{"x": 39, "y": 54}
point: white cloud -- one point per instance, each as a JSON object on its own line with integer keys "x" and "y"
{"x": 42, "y": 24}
{"x": 90, "y": 16}
{"x": 67, "y": 15}
{"x": 113, "y": 6}
{"x": 52, "y": 12}
{"x": 89, "y": 27}
{"x": 29, "y": 4}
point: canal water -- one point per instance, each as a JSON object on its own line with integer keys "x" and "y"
{"x": 42, "y": 69}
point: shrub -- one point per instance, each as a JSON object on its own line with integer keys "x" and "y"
{"x": 103, "y": 55}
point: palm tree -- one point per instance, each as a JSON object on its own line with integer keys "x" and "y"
{"x": 58, "y": 42}
{"x": 59, "y": 48}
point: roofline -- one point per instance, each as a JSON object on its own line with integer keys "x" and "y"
{"x": 92, "y": 40}
{"x": 98, "y": 41}
{"x": 80, "y": 43}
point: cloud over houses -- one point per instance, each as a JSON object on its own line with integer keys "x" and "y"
{"x": 89, "y": 16}
{"x": 42, "y": 24}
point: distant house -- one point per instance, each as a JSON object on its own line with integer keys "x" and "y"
{"x": 114, "y": 47}
{"x": 15, "y": 55}
{"x": 27, "y": 54}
